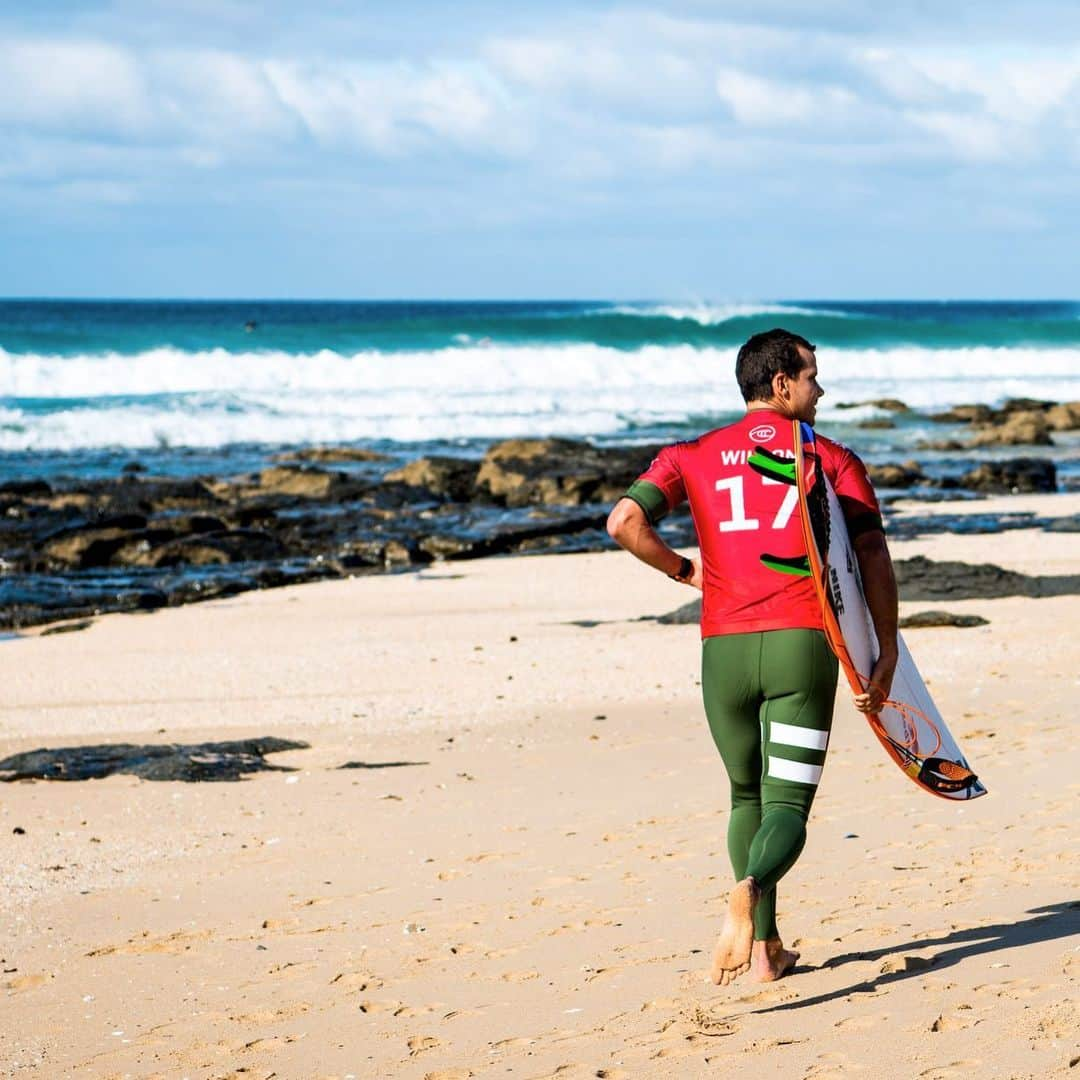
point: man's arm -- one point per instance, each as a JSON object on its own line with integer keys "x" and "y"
{"x": 879, "y": 588}
{"x": 628, "y": 526}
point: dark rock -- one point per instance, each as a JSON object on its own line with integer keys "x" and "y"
{"x": 887, "y": 404}
{"x": 1069, "y": 524}
{"x": 941, "y": 444}
{"x": 450, "y": 547}
{"x": 1064, "y": 417}
{"x": 308, "y": 483}
{"x": 153, "y": 496}
{"x": 330, "y": 454}
{"x": 1015, "y": 405}
{"x": 68, "y": 627}
{"x": 876, "y": 425}
{"x": 134, "y": 467}
{"x": 379, "y": 764}
{"x": 1013, "y": 476}
{"x": 388, "y": 554}
{"x": 964, "y": 414}
{"x": 1019, "y": 428}
{"x": 940, "y": 618}
{"x": 444, "y": 477}
{"x": 217, "y": 548}
{"x": 523, "y": 472}
{"x": 25, "y": 488}
{"x": 896, "y": 476}
{"x": 86, "y": 547}
{"x": 171, "y": 761}
{"x": 195, "y": 523}
{"x": 920, "y": 578}
{"x": 688, "y": 614}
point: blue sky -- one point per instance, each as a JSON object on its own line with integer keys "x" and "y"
{"x": 686, "y": 150}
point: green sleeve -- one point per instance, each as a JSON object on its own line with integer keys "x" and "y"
{"x": 650, "y": 498}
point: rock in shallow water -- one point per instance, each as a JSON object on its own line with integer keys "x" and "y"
{"x": 1013, "y": 477}
{"x": 444, "y": 477}
{"x": 1018, "y": 429}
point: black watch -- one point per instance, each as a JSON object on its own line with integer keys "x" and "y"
{"x": 686, "y": 571}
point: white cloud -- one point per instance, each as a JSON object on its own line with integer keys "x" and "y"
{"x": 584, "y": 101}
{"x": 71, "y": 86}
{"x": 758, "y": 102}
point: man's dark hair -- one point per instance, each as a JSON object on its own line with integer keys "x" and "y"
{"x": 766, "y": 355}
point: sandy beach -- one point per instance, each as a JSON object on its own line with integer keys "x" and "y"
{"x": 523, "y": 870}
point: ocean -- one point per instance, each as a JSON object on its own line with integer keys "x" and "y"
{"x": 188, "y": 387}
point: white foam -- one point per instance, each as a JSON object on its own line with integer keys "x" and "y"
{"x": 213, "y": 398}
{"x": 716, "y": 314}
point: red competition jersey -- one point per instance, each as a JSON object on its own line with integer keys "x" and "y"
{"x": 753, "y": 556}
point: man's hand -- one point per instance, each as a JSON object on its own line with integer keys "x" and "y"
{"x": 880, "y": 685}
{"x": 695, "y": 581}
{"x": 879, "y": 588}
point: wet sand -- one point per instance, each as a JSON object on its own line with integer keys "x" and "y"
{"x": 527, "y": 875}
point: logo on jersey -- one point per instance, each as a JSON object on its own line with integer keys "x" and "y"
{"x": 763, "y": 433}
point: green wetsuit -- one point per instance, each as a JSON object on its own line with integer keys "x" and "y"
{"x": 769, "y": 702}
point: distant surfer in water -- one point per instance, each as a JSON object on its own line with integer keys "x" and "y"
{"x": 768, "y": 674}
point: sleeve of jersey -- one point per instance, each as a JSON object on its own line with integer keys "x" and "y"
{"x": 659, "y": 489}
{"x": 857, "y": 498}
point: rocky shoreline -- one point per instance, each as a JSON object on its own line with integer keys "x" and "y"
{"x": 139, "y": 542}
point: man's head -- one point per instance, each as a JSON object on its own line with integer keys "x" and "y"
{"x": 778, "y": 368}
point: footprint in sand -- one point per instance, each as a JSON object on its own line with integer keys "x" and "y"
{"x": 177, "y": 942}
{"x": 1057, "y": 1021}
{"x": 419, "y": 1044}
{"x": 860, "y": 1023}
{"x": 269, "y": 1016}
{"x": 280, "y": 924}
{"x": 767, "y": 997}
{"x": 407, "y": 1011}
{"x": 896, "y": 964}
{"x": 664, "y": 1004}
{"x": 705, "y": 1022}
{"x": 1013, "y": 989}
{"x": 833, "y": 1067}
{"x": 512, "y": 1044}
{"x": 374, "y": 1006}
{"x": 953, "y": 1071}
{"x": 356, "y": 980}
{"x": 272, "y": 1042}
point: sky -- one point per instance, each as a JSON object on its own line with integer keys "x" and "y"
{"x": 710, "y": 151}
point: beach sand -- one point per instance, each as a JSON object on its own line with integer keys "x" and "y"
{"x": 528, "y": 874}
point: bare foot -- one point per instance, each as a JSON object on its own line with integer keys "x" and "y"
{"x": 770, "y": 961}
{"x": 732, "y": 956}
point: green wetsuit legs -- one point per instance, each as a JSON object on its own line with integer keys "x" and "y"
{"x": 769, "y": 701}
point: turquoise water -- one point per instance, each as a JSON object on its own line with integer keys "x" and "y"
{"x": 74, "y": 328}
{"x": 217, "y": 386}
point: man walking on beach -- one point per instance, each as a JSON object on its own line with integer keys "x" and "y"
{"x": 768, "y": 674}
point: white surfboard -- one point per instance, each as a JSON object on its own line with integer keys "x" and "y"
{"x": 910, "y": 727}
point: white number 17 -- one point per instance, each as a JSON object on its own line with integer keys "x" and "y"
{"x": 739, "y": 522}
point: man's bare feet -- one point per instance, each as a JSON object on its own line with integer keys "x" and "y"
{"x": 769, "y": 960}
{"x": 732, "y": 956}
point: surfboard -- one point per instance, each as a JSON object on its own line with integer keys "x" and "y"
{"x": 909, "y": 727}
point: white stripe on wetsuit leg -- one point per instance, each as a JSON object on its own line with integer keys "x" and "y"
{"x": 790, "y": 735}
{"x": 782, "y": 769}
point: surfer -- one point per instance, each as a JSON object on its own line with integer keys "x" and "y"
{"x": 768, "y": 675}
